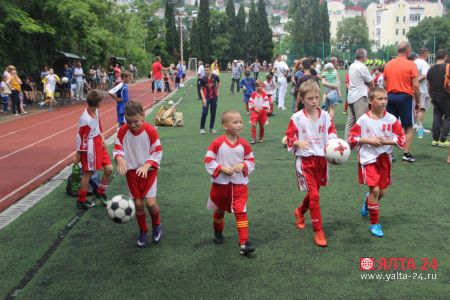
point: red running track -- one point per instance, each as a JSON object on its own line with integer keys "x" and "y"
{"x": 36, "y": 148}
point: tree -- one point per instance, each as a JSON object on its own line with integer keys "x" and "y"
{"x": 237, "y": 36}
{"x": 204, "y": 31}
{"x": 172, "y": 36}
{"x": 221, "y": 36}
{"x": 325, "y": 28}
{"x": 194, "y": 40}
{"x": 433, "y": 33}
{"x": 196, "y": 3}
{"x": 251, "y": 33}
{"x": 265, "y": 45}
{"x": 352, "y": 34}
{"x": 292, "y": 8}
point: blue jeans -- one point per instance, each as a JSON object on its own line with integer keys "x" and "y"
{"x": 5, "y": 103}
{"x": 211, "y": 104}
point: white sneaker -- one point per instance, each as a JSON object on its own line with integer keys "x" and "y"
{"x": 202, "y": 131}
{"x": 213, "y": 131}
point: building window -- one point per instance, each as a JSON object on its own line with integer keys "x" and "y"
{"x": 339, "y": 23}
{"x": 404, "y": 19}
{"x": 338, "y": 13}
{"x": 378, "y": 20}
{"x": 396, "y": 31}
{"x": 397, "y": 19}
{"x": 404, "y": 31}
{"x": 378, "y": 32}
{"x": 414, "y": 18}
{"x": 378, "y": 44}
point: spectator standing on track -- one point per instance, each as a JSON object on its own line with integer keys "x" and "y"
{"x": 402, "y": 86}
{"x": 157, "y": 72}
{"x": 66, "y": 86}
{"x": 14, "y": 82}
{"x": 79, "y": 80}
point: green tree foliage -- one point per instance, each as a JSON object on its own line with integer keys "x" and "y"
{"x": 194, "y": 40}
{"x": 433, "y": 33}
{"x": 325, "y": 28}
{"x": 352, "y": 34}
{"x": 172, "y": 36}
{"x": 32, "y": 31}
{"x": 251, "y": 33}
{"x": 204, "y": 31}
{"x": 221, "y": 36}
{"x": 265, "y": 45}
{"x": 237, "y": 35}
{"x": 386, "y": 52}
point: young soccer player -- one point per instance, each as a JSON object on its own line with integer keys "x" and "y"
{"x": 247, "y": 84}
{"x": 270, "y": 87}
{"x": 230, "y": 161}
{"x": 138, "y": 153}
{"x": 259, "y": 106}
{"x": 91, "y": 150}
{"x": 374, "y": 134}
{"x": 50, "y": 82}
{"x": 308, "y": 132}
{"x": 120, "y": 94}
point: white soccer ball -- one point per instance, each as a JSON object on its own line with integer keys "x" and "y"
{"x": 337, "y": 151}
{"x": 170, "y": 103}
{"x": 64, "y": 80}
{"x": 284, "y": 141}
{"x": 121, "y": 209}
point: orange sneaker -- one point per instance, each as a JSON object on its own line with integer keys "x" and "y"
{"x": 300, "y": 219}
{"x": 319, "y": 238}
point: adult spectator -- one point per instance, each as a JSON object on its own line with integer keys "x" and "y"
{"x": 440, "y": 99}
{"x": 210, "y": 85}
{"x": 79, "y": 80}
{"x": 422, "y": 69}
{"x": 255, "y": 67}
{"x": 15, "y": 83}
{"x": 117, "y": 77}
{"x": 402, "y": 85}
{"x": 215, "y": 68}
{"x": 360, "y": 81}
{"x": 200, "y": 75}
{"x": 111, "y": 76}
{"x": 66, "y": 86}
{"x": 282, "y": 71}
{"x": 308, "y": 74}
{"x": 158, "y": 79}
{"x": 297, "y": 73}
{"x": 236, "y": 72}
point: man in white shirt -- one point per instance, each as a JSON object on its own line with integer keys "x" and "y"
{"x": 200, "y": 75}
{"x": 360, "y": 82}
{"x": 282, "y": 71}
{"x": 422, "y": 68}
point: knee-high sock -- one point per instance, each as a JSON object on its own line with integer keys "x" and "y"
{"x": 154, "y": 213}
{"x": 218, "y": 221}
{"x": 246, "y": 107}
{"x": 261, "y": 131}
{"x": 103, "y": 185}
{"x": 314, "y": 209}
{"x": 140, "y": 216}
{"x": 253, "y": 130}
{"x": 242, "y": 226}
{"x": 373, "y": 211}
{"x": 303, "y": 208}
{"x": 82, "y": 196}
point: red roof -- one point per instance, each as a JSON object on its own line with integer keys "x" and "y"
{"x": 355, "y": 8}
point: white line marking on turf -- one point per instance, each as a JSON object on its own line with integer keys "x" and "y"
{"x": 16, "y": 210}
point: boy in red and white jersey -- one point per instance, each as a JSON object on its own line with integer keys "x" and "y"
{"x": 259, "y": 106}
{"x": 91, "y": 151}
{"x": 375, "y": 133}
{"x": 270, "y": 87}
{"x": 308, "y": 132}
{"x": 229, "y": 160}
{"x": 138, "y": 153}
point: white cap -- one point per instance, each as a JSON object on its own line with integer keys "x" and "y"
{"x": 234, "y": 61}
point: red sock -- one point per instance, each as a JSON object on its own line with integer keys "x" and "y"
{"x": 314, "y": 210}
{"x": 103, "y": 186}
{"x": 140, "y": 216}
{"x": 373, "y": 211}
{"x": 305, "y": 205}
{"x": 345, "y": 106}
{"x": 82, "y": 196}
{"x": 154, "y": 213}
{"x": 261, "y": 131}
{"x": 242, "y": 227}
{"x": 246, "y": 107}
{"x": 218, "y": 221}
{"x": 253, "y": 130}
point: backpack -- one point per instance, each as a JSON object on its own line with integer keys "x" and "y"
{"x": 447, "y": 78}
{"x": 74, "y": 179}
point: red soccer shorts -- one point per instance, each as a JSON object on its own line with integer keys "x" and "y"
{"x": 228, "y": 197}
{"x": 260, "y": 117}
{"x": 377, "y": 173}
{"x": 99, "y": 160}
{"x": 312, "y": 172}
{"x": 141, "y": 188}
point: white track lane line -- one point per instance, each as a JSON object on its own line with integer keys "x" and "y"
{"x": 61, "y": 131}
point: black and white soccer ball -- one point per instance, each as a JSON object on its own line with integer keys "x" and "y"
{"x": 121, "y": 209}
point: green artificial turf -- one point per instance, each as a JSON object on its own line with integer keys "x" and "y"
{"x": 99, "y": 259}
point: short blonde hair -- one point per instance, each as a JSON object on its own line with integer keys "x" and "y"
{"x": 226, "y": 114}
{"x": 308, "y": 86}
{"x": 374, "y": 90}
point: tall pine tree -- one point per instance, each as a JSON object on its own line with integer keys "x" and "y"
{"x": 204, "y": 31}
{"x": 325, "y": 27}
{"x": 194, "y": 41}
{"x": 251, "y": 33}
{"x": 231, "y": 27}
{"x": 238, "y": 35}
{"x": 172, "y": 37}
{"x": 265, "y": 42}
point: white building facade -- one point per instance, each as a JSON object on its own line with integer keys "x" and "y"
{"x": 337, "y": 12}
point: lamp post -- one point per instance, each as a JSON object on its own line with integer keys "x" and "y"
{"x": 180, "y": 17}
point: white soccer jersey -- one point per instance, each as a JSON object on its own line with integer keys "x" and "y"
{"x": 222, "y": 153}
{"x": 270, "y": 87}
{"x": 388, "y": 128}
{"x": 138, "y": 148}
{"x": 89, "y": 136}
{"x": 317, "y": 133}
{"x": 259, "y": 101}
{"x": 50, "y": 82}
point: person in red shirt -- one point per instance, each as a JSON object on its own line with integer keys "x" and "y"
{"x": 402, "y": 85}
{"x": 158, "y": 76}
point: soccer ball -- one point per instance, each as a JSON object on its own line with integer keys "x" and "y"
{"x": 337, "y": 151}
{"x": 64, "y": 80}
{"x": 170, "y": 103}
{"x": 284, "y": 141}
{"x": 121, "y": 209}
